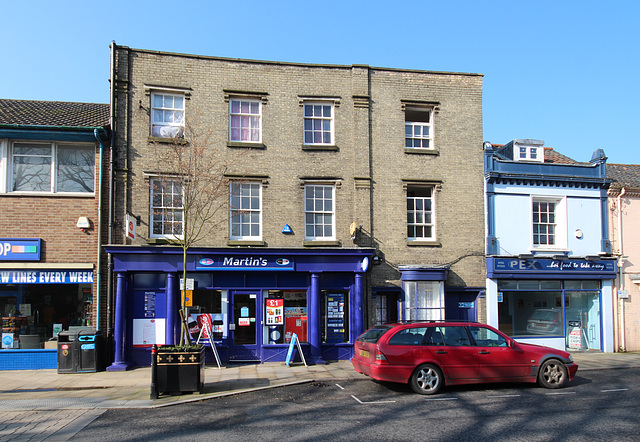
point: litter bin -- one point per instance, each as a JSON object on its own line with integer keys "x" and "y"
{"x": 80, "y": 351}
{"x": 90, "y": 351}
{"x": 67, "y": 354}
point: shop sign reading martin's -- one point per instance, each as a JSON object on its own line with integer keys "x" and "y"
{"x": 255, "y": 262}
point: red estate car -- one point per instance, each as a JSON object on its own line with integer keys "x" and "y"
{"x": 430, "y": 355}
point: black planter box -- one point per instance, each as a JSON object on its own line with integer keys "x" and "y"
{"x": 179, "y": 370}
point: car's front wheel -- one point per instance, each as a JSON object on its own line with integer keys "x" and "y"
{"x": 427, "y": 379}
{"x": 553, "y": 374}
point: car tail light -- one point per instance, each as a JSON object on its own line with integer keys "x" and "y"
{"x": 381, "y": 358}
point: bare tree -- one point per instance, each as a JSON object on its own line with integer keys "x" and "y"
{"x": 190, "y": 194}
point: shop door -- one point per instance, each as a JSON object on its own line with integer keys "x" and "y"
{"x": 582, "y": 316}
{"x": 244, "y": 345}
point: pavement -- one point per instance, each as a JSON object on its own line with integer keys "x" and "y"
{"x": 42, "y": 405}
{"x": 48, "y": 390}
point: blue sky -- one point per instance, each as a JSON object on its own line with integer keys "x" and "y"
{"x": 566, "y": 72}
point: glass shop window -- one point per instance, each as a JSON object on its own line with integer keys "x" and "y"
{"x": 285, "y": 313}
{"x": 208, "y": 302}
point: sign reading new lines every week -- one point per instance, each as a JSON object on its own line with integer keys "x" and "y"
{"x": 45, "y": 277}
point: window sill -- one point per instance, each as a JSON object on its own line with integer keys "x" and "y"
{"x": 424, "y": 244}
{"x": 321, "y": 243}
{"x": 547, "y": 251}
{"x": 421, "y": 151}
{"x": 243, "y": 145}
{"x": 49, "y": 194}
{"x": 160, "y": 241}
{"x": 245, "y": 243}
{"x": 163, "y": 140}
{"x": 311, "y": 147}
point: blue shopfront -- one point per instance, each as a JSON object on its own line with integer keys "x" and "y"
{"x": 255, "y": 301}
{"x": 559, "y": 302}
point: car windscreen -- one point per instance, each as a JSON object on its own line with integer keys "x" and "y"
{"x": 544, "y": 315}
{"x": 373, "y": 334}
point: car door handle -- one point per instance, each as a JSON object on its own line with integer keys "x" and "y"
{"x": 484, "y": 352}
{"x": 441, "y": 352}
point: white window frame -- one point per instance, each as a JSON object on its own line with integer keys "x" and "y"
{"x": 245, "y": 209}
{"x": 414, "y": 130}
{"x": 168, "y": 126}
{"x": 318, "y": 209}
{"x": 54, "y": 166}
{"x": 313, "y": 119}
{"x": 249, "y": 116}
{"x": 417, "y": 213}
{"x": 423, "y": 300}
{"x": 560, "y": 223}
{"x": 529, "y": 153}
{"x": 165, "y": 209}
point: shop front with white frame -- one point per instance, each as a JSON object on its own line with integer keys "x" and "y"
{"x": 561, "y": 303}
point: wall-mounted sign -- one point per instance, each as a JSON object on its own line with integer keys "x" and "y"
{"x": 254, "y": 262}
{"x": 552, "y": 265}
{"x": 45, "y": 277}
{"x": 20, "y": 249}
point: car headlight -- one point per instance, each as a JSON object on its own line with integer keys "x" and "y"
{"x": 570, "y": 357}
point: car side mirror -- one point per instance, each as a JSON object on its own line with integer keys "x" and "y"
{"x": 511, "y": 343}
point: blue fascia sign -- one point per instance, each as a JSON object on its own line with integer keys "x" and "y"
{"x": 46, "y": 277}
{"x": 254, "y": 262}
{"x": 514, "y": 265}
{"x": 20, "y": 249}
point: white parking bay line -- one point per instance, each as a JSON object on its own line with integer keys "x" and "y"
{"x": 443, "y": 399}
{"x": 373, "y": 402}
{"x": 560, "y": 393}
{"x": 614, "y": 390}
{"x": 506, "y": 395}
{"x": 340, "y": 386}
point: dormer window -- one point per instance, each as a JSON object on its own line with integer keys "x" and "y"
{"x": 525, "y": 149}
{"x": 529, "y": 153}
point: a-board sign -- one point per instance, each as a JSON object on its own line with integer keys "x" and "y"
{"x": 295, "y": 343}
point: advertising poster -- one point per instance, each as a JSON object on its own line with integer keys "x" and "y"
{"x": 275, "y": 311}
{"x": 147, "y": 332}
{"x": 335, "y": 318}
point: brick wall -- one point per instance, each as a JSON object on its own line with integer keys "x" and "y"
{"x": 369, "y": 166}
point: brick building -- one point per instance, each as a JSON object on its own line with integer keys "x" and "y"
{"x": 50, "y": 223}
{"x": 624, "y": 210}
{"x": 353, "y": 195}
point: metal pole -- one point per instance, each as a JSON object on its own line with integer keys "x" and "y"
{"x": 154, "y": 367}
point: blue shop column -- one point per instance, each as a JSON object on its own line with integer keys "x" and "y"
{"x": 314, "y": 318}
{"x": 357, "y": 309}
{"x": 172, "y": 313}
{"x": 119, "y": 326}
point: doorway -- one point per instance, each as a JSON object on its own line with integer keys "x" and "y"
{"x": 243, "y": 327}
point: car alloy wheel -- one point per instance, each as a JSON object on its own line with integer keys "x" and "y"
{"x": 553, "y": 374}
{"x": 427, "y": 379}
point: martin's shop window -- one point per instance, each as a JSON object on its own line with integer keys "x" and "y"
{"x": 285, "y": 314}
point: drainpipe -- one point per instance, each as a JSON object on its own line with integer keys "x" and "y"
{"x": 111, "y": 169}
{"x": 96, "y": 133}
{"x": 623, "y": 345}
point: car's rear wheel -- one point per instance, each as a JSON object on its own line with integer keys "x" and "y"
{"x": 427, "y": 379}
{"x": 553, "y": 374}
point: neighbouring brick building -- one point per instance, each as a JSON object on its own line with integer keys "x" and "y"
{"x": 51, "y": 154}
{"x": 354, "y": 196}
{"x": 624, "y": 212}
